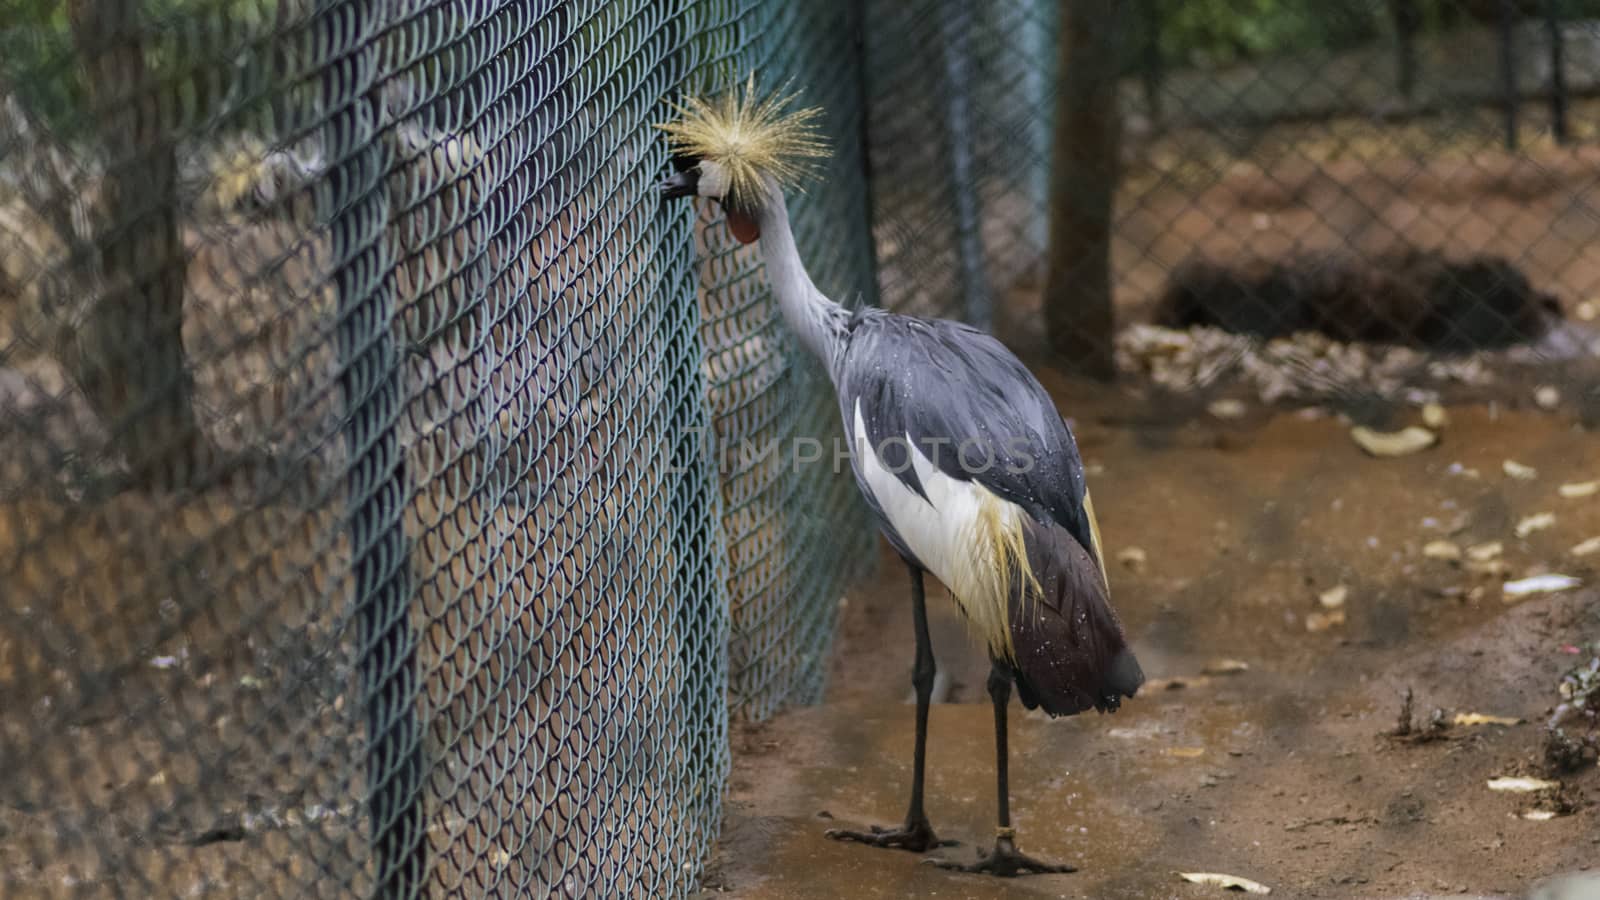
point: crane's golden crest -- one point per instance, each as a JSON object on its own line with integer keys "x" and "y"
{"x": 749, "y": 136}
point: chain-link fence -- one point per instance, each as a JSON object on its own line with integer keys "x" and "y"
{"x": 393, "y": 493}
{"x": 362, "y": 532}
{"x": 1306, "y": 199}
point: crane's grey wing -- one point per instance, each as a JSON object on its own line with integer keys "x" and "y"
{"x": 969, "y": 405}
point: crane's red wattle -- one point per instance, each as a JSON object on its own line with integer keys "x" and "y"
{"x": 744, "y": 229}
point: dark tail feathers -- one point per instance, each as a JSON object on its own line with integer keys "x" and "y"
{"x": 1070, "y": 650}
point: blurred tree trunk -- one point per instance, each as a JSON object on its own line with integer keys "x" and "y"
{"x": 129, "y": 357}
{"x": 1558, "y": 71}
{"x": 1152, "y": 66}
{"x": 1078, "y": 311}
{"x": 1407, "y": 18}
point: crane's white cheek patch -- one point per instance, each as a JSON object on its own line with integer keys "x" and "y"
{"x": 942, "y": 531}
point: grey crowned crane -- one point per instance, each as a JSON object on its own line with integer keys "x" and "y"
{"x": 971, "y": 471}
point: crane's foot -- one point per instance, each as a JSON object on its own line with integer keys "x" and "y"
{"x": 916, "y": 836}
{"x": 1005, "y": 861}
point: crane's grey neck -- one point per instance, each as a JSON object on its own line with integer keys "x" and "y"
{"x": 818, "y": 322}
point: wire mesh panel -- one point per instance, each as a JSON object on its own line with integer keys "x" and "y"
{"x": 358, "y": 533}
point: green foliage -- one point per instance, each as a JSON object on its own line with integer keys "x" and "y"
{"x": 186, "y": 46}
{"x": 1222, "y": 31}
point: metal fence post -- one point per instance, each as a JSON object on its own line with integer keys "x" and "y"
{"x": 354, "y": 202}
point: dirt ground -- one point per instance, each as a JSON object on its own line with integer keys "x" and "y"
{"x": 1282, "y": 773}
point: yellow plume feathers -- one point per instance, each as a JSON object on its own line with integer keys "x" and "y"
{"x": 749, "y": 136}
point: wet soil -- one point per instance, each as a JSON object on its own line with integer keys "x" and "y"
{"x": 1284, "y": 772}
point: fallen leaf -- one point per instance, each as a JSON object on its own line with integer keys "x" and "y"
{"x": 1535, "y": 522}
{"x": 1592, "y": 545}
{"x": 1485, "y": 552}
{"x": 1449, "y": 550}
{"x": 1539, "y": 584}
{"x": 1225, "y": 667}
{"x": 1404, "y": 442}
{"x": 1227, "y": 882}
{"x": 1434, "y": 416}
{"x": 1184, "y": 752}
{"x": 1519, "y": 471}
{"x": 1578, "y": 489}
{"x": 1521, "y": 785}
{"x": 1322, "y": 621}
{"x": 1482, "y": 719}
{"x": 1333, "y": 597}
{"x": 1132, "y": 557}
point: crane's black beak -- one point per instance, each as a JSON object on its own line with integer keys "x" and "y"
{"x": 682, "y": 184}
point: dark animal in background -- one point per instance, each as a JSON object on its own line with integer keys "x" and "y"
{"x": 1416, "y": 298}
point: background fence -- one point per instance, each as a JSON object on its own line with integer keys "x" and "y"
{"x": 374, "y": 515}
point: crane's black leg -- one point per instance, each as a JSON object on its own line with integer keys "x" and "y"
{"x": 916, "y": 834}
{"x": 1006, "y": 860}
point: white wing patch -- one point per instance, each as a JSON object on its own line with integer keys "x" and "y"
{"x": 952, "y": 532}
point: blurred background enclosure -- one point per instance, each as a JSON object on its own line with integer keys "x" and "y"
{"x": 374, "y": 515}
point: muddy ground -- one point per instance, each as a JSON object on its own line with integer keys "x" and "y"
{"x": 1282, "y": 773}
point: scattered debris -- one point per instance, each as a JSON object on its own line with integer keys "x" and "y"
{"x": 1584, "y": 548}
{"x": 1226, "y": 882}
{"x": 1483, "y": 719}
{"x": 1535, "y": 522}
{"x": 1564, "y": 753}
{"x": 1579, "y": 690}
{"x": 1446, "y": 550}
{"x": 1434, "y": 416}
{"x": 1334, "y": 597}
{"x": 1406, "y": 441}
{"x": 1184, "y": 752}
{"x": 1227, "y": 408}
{"x": 1133, "y": 557}
{"x": 1521, "y": 784}
{"x": 1539, "y": 584}
{"x": 1456, "y": 468}
{"x": 1538, "y": 815}
{"x": 1225, "y": 667}
{"x": 163, "y": 662}
{"x": 1519, "y": 471}
{"x": 1547, "y": 397}
{"x": 1579, "y": 489}
{"x": 1407, "y": 731}
{"x": 1322, "y": 621}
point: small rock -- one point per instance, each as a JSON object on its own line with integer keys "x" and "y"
{"x": 1587, "y": 311}
{"x": 1434, "y": 416}
{"x": 1132, "y": 557}
{"x": 1547, "y": 397}
{"x": 1590, "y": 546}
{"x": 1334, "y": 597}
